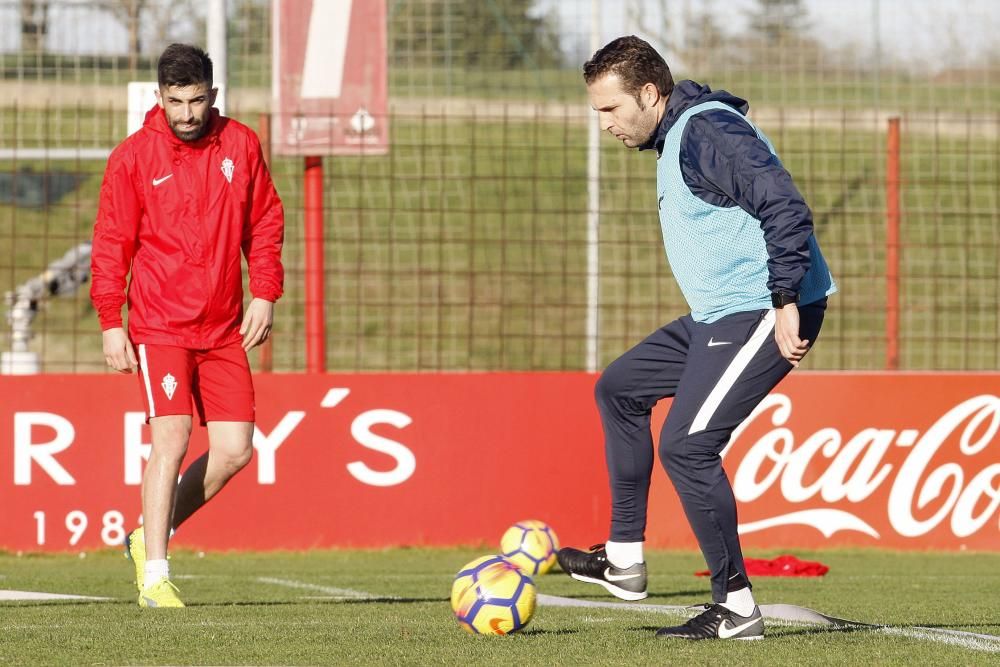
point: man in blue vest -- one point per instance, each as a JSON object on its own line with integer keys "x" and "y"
{"x": 739, "y": 239}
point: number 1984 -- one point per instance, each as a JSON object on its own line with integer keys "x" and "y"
{"x": 76, "y": 522}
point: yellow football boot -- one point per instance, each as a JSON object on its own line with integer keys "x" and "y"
{"x": 135, "y": 550}
{"x": 161, "y": 594}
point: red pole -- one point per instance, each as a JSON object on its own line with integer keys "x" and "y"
{"x": 315, "y": 322}
{"x": 265, "y": 351}
{"x": 892, "y": 247}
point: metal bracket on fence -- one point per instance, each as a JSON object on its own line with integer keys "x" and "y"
{"x": 62, "y": 277}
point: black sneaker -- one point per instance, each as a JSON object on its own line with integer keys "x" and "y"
{"x": 717, "y": 622}
{"x": 592, "y": 566}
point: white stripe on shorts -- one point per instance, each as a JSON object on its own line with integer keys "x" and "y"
{"x": 728, "y": 379}
{"x": 145, "y": 379}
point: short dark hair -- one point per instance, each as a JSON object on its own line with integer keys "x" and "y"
{"x": 183, "y": 65}
{"x": 635, "y": 62}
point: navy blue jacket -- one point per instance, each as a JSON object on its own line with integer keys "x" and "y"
{"x": 726, "y": 164}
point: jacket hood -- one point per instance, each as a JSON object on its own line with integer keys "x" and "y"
{"x": 685, "y": 95}
{"x": 156, "y": 120}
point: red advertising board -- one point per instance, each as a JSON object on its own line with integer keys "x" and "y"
{"x": 329, "y": 86}
{"x": 905, "y": 461}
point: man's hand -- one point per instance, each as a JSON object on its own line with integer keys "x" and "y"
{"x": 257, "y": 322}
{"x": 118, "y": 350}
{"x": 786, "y": 334}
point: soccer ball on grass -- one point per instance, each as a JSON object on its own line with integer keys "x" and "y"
{"x": 492, "y": 596}
{"x": 532, "y": 545}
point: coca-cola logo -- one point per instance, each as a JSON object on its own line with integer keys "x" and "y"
{"x": 937, "y": 481}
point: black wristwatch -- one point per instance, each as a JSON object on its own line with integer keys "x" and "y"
{"x": 781, "y": 299}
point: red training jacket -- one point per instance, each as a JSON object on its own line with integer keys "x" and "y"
{"x": 177, "y": 214}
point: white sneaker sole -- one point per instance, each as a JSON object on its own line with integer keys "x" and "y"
{"x": 620, "y": 593}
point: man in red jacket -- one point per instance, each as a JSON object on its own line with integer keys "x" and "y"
{"x": 181, "y": 198}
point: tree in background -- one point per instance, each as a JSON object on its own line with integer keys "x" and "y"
{"x": 128, "y": 13}
{"x": 703, "y": 31}
{"x": 173, "y": 21}
{"x": 777, "y": 38}
{"x": 692, "y": 43}
{"x": 249, "y": 41}
{"x": 506, "y": 34}
{"x": 165, "y": 21}
{"x": 778, "y": 20}
{"x": 705, "y": 45}
{"x": 34, "y": 25}
{"x": 248, "y": 28}
{"x": 489, "y": 35}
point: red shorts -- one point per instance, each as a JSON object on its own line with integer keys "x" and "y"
{"x": 217, "y": 380}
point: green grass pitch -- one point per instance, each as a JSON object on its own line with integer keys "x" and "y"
{"x": 391, "y": 607}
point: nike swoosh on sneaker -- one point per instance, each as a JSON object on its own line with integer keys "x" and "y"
{"x": 619, "y": 577}
{"x": 712, "y": 342}
{"x": 157, "y": 181}
{"x": 726, "y": 633}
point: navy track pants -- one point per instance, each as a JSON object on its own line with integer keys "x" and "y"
{"x": 717, "y": 374}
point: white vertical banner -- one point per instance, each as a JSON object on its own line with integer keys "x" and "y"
{"x": 216, "y": 42}
{"x": 326, "y": 50}
{"x": 593, "y": 211}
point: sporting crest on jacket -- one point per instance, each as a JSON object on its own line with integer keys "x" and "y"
{"x": 227, "y": 169}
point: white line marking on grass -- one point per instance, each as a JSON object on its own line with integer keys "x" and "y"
{"x": 33, "y": 595}
{"x": 969, "y": 640}
{"x": 788, "y": 614}
{"x": 339, "y": 593}
{"x": 962, "y": 633}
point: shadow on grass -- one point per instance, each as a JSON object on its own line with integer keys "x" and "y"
{"x": 34, "y": 604}
{"x": 533, "y": 632}
{"x": 314, "y": 601}
{"x": 226, "y": 603}
{"x": 700, "y": 594}
{"x": 794, "y": 631}
{"x": 781, "y": 631}
{"x": 949, "y": 626}
{"x": 784, "y": 631}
